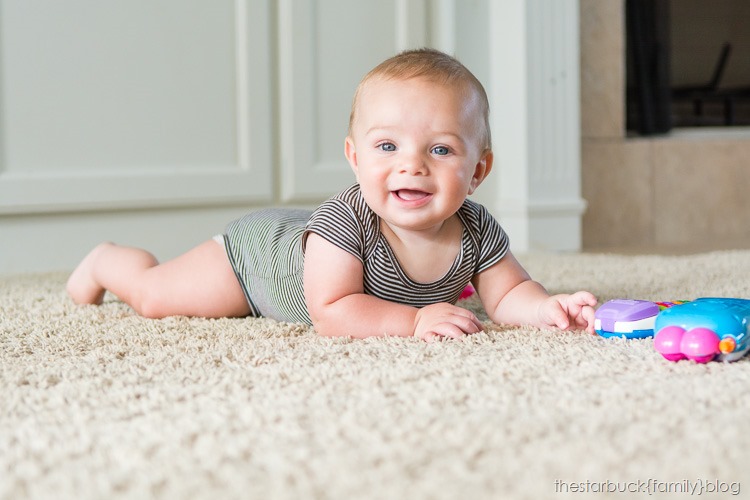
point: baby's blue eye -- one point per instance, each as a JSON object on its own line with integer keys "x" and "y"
{"x": 387, "y": 146}
{"x": 440, "y": 150}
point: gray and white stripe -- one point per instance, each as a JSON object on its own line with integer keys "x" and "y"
{"x": 483, "y": 244}
{"x": 266, "y": 250}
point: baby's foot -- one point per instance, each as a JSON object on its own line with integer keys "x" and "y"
{"x": 81, "y": 286}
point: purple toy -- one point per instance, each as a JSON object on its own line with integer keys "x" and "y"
{"x": 632, "y": 319}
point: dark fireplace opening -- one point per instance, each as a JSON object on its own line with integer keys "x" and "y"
{"x": 688, "y": 64}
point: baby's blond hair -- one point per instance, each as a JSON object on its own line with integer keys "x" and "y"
{"x": 430, "y": 64}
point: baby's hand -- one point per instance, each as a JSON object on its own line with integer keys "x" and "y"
{"x": 566, "y": 311}
{"x": 445, "y": 320}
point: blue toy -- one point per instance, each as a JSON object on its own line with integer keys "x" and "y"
{"x": 701, "y": 330}
{"x": 704, "y": 329}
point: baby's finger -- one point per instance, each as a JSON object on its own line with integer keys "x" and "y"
{"x": 429, "y": 336}
{"x": 448, "y": 329}
{"x": 586, "y": 318}
{"x": 468, "y": 325}
{"x": 465, "y": 313}
{"x": 584, "y": 298}
{"x": 559, "y": 317}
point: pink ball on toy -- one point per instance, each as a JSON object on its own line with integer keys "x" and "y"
{"x": 700, "y": 345}
{"x": 668, "y": 342}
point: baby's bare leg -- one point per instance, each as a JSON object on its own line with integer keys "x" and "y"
{"x": 82, "y": 287}
{"x": 200, "y": 282}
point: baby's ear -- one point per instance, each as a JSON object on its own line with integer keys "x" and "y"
{"x": 481, "y": 170}
{"x": 350, "y": 151}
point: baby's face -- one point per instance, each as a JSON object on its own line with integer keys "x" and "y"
{"x": 418, "y": 150}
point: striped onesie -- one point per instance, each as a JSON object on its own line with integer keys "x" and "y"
{"x": 266, "y": 250}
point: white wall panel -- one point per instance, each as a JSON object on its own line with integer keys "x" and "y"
{"x": 533, "y": 86}
{"x": 154, "y": 122}
{"x": 325, "y": 47}
{"x": 133, "y": 104}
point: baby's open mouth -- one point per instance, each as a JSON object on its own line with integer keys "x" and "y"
{"x": 411, "y": 194}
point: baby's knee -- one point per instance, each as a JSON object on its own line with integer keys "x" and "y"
{"x": 150, "y": 304}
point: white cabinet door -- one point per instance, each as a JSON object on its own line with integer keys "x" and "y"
{"x": 325, "y": 47}
{"x": 133, "y": 104}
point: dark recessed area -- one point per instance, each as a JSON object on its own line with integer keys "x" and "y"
{"x": 688, "y": 64}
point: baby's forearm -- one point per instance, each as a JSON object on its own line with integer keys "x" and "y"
{"x": 360, "y": 316}
{"x": 520, "y": 306}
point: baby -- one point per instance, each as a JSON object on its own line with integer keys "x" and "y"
{"x": 388, "y": 256}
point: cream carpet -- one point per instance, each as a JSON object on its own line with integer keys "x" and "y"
{"x": 96, "y": 402}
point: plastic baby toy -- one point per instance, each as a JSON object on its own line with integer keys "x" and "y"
{"x": 704, "y": 329}
{"x": 700, "y": 330}
{"x": 632, "y": 319}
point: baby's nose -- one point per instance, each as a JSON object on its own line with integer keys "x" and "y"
{"x": 413, "y": 164}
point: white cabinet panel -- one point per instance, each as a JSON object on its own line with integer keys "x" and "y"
{"x": 133, "y": 103}
{"x": 325, "y": 47}
{"x": 193, "y": 109}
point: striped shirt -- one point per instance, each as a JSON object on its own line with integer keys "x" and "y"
{"x": 266, "y": 251}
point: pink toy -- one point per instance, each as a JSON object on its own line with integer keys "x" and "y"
{"x": 468, "y": 292}
{"x": 698, "y": 344}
